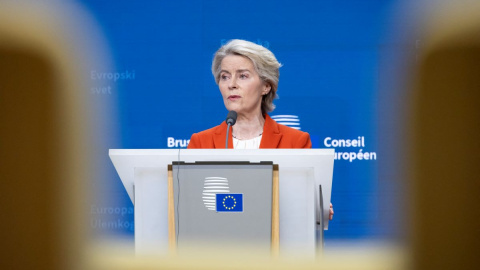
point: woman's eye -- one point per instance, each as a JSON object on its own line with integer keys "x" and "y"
{"x": 223, "y": 77}
{"x": 243, "y": 76}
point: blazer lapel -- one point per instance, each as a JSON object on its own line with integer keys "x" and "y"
{"x": 271, "y": 135}
{"x": 220, "y": 136}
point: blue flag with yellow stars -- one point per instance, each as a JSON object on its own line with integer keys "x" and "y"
{"x": 228, "y": 202}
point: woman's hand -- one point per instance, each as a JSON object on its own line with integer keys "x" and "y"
{"x": 331, "y": 212}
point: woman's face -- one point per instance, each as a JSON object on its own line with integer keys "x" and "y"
{"x": 240, "y": 85}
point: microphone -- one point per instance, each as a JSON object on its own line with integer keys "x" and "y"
{"x": 231, "y": 120}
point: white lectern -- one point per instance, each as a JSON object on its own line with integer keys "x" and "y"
{"x": 301, "y": 172}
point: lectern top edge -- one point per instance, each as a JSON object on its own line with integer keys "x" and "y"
{"x": 146, "y": 152}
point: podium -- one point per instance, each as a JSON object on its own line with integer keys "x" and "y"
{"x": 305, "y": 181}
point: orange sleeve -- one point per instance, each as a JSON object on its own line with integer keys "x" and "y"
{"x": 304, "y": 141}
{"x": 194, "y": 142}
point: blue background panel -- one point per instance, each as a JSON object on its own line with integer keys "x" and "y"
{"x": 331, "y": 53}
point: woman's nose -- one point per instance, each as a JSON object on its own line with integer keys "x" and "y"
{"x": 233, "y": 83}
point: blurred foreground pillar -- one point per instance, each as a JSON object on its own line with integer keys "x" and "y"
{"x": 445, "y": 143}
{"x": 44, "y": 147}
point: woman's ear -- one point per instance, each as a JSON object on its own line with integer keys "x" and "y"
{"x": 266, "y": 89}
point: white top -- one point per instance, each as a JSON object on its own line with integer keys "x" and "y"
{"x": 247, "y": 144}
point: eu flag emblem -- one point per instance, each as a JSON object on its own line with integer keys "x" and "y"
{"x": 228, "y": 202}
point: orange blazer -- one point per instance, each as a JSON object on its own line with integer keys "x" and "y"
{"x": 274, "y": 136}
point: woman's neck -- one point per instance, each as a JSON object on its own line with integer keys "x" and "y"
{"x": 248, "y": 127}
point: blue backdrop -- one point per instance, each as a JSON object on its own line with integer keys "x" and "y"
{"x": 333, "y": 61}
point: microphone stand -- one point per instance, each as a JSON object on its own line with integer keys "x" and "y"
{"x": 226, "y": 141}
{"x": 231, "y": 119}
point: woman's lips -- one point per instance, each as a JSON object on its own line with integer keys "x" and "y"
{"x": 233, "y": 97}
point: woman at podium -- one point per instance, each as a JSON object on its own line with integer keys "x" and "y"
{"x": 247, "y": 75}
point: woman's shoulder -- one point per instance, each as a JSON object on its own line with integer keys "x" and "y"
{"x": 291, "y": 137}
{"x": 286, "y": 129}
{"x": 205, "y": 138}
{"x": 289, "y": 130}
{"x": 296, "y": 137}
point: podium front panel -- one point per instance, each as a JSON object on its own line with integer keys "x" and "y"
{"x": 223, "y": 203}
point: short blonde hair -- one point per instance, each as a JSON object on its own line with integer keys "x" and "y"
{"x": 264, "y": 61}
